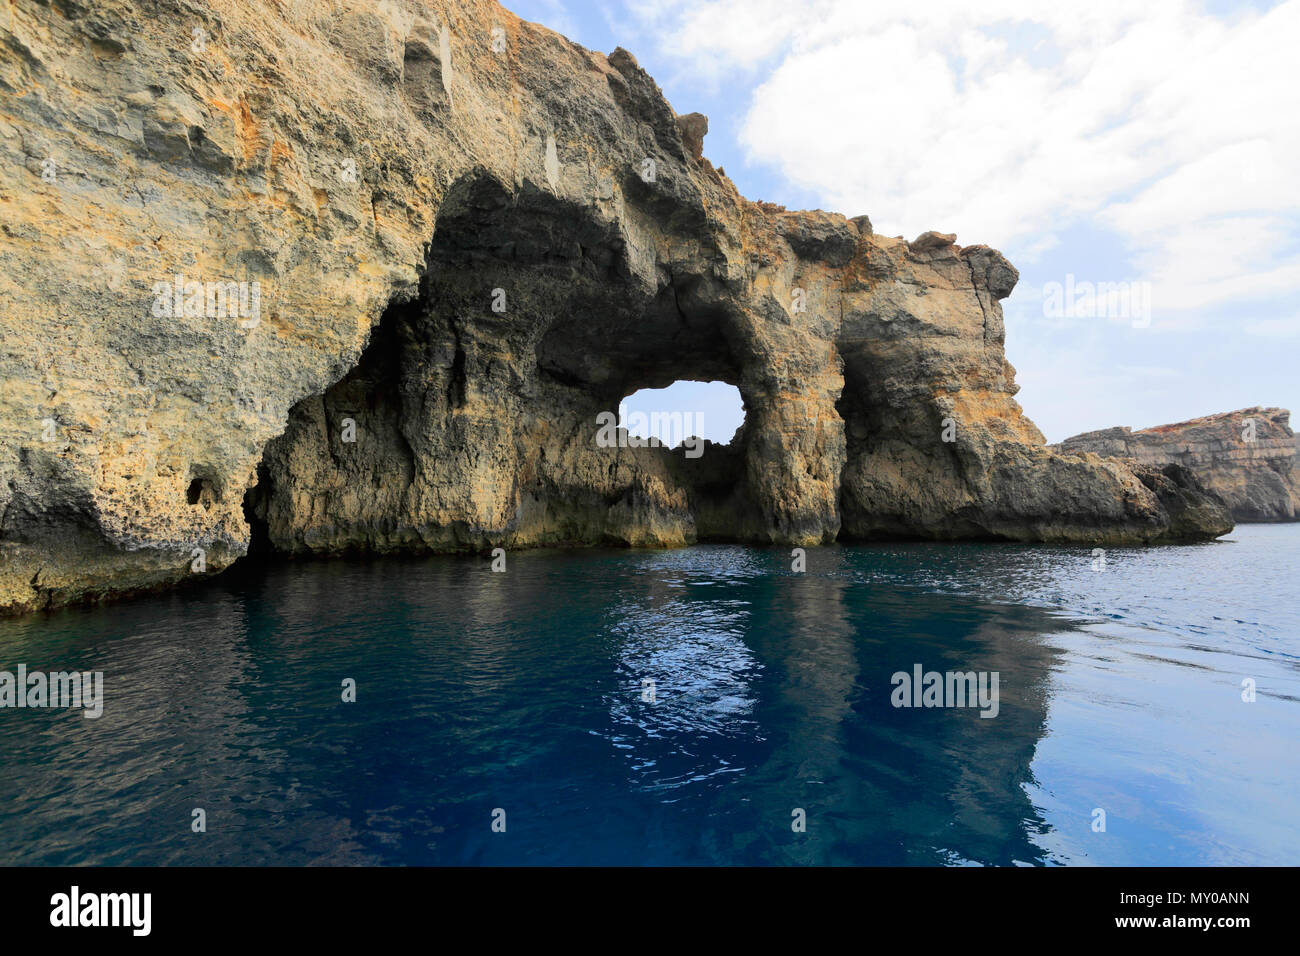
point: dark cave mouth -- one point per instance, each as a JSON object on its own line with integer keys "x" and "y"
{"x": 697, "y": 423}
{"x": 496, "y": 351}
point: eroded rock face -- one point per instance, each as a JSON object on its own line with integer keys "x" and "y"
{"x": 380, "y": 177}
{"x": 1246, "y": 457}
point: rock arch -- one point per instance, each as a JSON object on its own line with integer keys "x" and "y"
{"x": 475, "y": 403}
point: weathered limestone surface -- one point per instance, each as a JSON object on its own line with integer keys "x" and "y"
{"x": 1246, "y": 457}
{"x": 387, "y": 173}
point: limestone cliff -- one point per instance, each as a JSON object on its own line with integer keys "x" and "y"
{"x": 1246, "y": 457}
{"x": 361, "y": 276}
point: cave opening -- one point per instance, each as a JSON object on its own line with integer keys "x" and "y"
{"x": 345, "y": 442}
{"x": 470, "y": 419}
{"x": 711, "y": 410}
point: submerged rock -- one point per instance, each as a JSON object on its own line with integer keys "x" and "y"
{"x": 364, "y": 282}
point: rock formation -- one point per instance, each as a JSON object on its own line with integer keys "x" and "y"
{"x": 1246, "y": 457}
{"x": 327, "y": 276}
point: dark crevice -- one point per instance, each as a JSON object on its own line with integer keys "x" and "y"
{"x": 456, "y": 380}
{"x": 259, "y": 541}
{"x": 370, "y": 395}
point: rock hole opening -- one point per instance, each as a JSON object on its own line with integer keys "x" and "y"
{"x": 712, "y": 410}
{"x": 202, "y": 490}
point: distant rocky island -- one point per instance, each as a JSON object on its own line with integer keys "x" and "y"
{"x": 278, "y": 279}
{"x": 1246, "y": 457}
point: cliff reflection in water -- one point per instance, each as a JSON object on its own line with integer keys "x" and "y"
{"x": 776, "y": 698}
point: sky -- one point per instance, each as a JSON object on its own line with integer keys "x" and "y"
{"x": 1153, "y": 147}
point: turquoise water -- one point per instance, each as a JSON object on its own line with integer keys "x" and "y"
{"x": 1119, "y": 690}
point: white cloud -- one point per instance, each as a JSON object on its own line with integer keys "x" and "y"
{"x": 1009, "y": 123}
{"x": 1280, "y": 328}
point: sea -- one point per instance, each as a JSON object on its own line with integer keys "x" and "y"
{"x": 885, "y": 704}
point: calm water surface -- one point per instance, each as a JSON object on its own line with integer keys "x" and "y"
{"x": 1119, "y": 690}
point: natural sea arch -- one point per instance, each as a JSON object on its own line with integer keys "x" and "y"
{"x": 709, "y": 410}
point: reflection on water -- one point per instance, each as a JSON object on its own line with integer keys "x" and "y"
{"x": 771, "y": 694}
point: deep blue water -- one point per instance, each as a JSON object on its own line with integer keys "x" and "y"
{"x": 1119, "y": 690}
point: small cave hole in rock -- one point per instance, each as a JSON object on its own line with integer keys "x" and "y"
{"x": 713, "y": 411}
{"x": 201, "y": 492}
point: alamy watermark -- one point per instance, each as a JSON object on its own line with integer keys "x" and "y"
{"x": 665, "y": 429}
{"x": 127, "y": 910}
{"x": 1098, "y": 300}
{"x": 213, "y": 300}
{"x": 83, "y": 689}
{"x": 922, "y": 688}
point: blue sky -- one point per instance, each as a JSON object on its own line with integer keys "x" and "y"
{"x": 1153, "y": 146}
